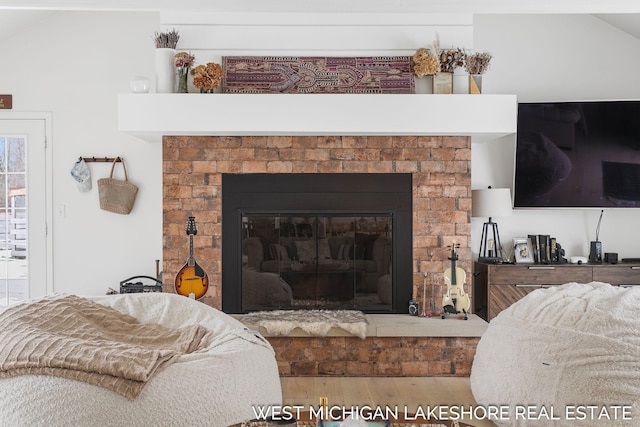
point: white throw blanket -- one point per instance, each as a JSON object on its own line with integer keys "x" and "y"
{"x": 560, "y": 348}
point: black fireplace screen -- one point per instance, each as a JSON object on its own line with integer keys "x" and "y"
{"x": 316, "y": 241}
{"x": 317, "y": 261}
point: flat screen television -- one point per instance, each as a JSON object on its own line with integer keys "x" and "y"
{"x": 578, "y": 154}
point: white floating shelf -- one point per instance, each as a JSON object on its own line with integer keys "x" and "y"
{"x": 150, "y": 116}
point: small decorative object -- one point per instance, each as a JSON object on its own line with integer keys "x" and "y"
{"x": 522, "y": 251}
{"x": 183, "y": 62}
{"x": 139, "y": 84}
{"x": 476, "y": 64}
{"x": 116, "y": 195}
{"x": 207, "y": 77}
{"x": 6, "y": 102}
{"x": 165, "y": 54}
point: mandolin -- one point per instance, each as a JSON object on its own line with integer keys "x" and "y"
{"x": 191, "y": 281}
{"x": 455, "y": 300}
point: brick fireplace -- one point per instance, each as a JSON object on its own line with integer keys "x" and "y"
{"x": 192, "y": 177}
{"x": 440, "y": 168}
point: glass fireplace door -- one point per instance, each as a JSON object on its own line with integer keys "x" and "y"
{"x": 316, "y": 261}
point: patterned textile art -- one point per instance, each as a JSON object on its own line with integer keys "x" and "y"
{"x": 294, "y": 74}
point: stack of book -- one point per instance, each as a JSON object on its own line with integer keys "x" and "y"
{"x": 544, "y": 248}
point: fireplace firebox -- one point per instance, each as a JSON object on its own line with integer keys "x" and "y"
{"x": 316, "y": 241}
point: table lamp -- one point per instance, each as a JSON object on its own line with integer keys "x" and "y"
{"x": 491, "y": 202}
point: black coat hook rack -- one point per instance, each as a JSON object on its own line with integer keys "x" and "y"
{"x": 102, "y": 159}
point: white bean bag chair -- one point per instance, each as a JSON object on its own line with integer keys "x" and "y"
{"x": 566, "y": 355}
{"x": 214, "y": 386}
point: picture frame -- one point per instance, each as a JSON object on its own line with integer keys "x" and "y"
{"x": 522, "y": 250}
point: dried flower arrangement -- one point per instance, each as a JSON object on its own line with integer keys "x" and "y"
{"x": 428, "y": 62}
{"x": 477, "y": 63}
{"x": 424, "y": 63}
{"x": 184, "y": 60}
{"x": 166, "y": 40}
{"x": 207, "y": 77}
{"x": 450, "y": 59}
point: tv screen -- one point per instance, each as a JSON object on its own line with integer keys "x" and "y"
{"x": 578, "y": 154}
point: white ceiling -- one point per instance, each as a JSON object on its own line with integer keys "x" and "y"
{"x": 629, "y": 23}
{"x": 341, "y": 6}
{"x": 17, "y": 15}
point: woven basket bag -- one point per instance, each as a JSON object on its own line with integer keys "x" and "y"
{"x": 117, "y": 196}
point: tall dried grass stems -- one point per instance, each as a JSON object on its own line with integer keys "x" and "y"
{"x": 166, "y": 40}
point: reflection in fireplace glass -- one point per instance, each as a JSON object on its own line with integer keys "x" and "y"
{"x": 317, "y": 262}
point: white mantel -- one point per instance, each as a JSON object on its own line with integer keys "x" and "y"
{"x": 150, "y": 116}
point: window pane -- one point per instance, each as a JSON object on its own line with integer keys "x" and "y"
{"x": 13, "y": 225}
{"x": 16, "y": 185}
{"x": 16, "y": 157}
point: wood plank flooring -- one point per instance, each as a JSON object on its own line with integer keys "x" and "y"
{"x": 381, "y": 391}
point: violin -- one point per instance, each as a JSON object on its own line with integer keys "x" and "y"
{"x": 455, "y": 301}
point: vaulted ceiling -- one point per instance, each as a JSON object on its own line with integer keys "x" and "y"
{"x": 16, "y": 15}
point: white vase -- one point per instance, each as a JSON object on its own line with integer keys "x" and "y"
{"x": 165, "y": 70}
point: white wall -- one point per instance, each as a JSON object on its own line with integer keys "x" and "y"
{"x": 547, "y": 58}
{"x": 73, "y": 64}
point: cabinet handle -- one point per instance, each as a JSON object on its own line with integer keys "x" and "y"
{"x": 531, "y": 285}
{"x": 541, "y": 268}
{"x": 635, "y": 268}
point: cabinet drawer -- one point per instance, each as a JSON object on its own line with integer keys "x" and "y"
{"x": 539, "y": 274}
{"x": 619, "y": 274}
{"x": 501, "y": 297}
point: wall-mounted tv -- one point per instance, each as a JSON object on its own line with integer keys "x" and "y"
{"x": 578, "y": 154}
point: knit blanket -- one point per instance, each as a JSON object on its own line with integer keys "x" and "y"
{"x": 73, "y": 337}
{"x": 313, "y": 322}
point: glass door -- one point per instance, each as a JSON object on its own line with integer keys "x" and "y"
{"x": 23, "y": 218}
{"x": 317, "y": 261}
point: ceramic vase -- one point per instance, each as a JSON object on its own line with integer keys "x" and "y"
{"x": 182, "y": 78}
{"x": 443, "y": 83}
{"x": 475, "y": 83}
{"x": 165, "y": 70}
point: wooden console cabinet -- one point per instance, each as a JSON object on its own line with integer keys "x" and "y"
{"x": 497, "y": 286}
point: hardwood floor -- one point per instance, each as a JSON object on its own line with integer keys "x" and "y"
{"x": 402, "y": 392}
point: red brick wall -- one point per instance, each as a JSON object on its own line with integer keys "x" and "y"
{"x": 390, "y": 357}
{"x": 192, "y": 169}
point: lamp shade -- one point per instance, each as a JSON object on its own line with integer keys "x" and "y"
{"x": 491, "y": 202}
